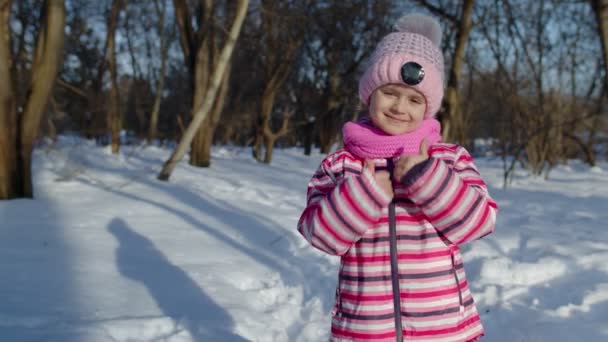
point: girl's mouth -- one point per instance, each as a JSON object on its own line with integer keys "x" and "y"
{"x": 394, "y": 118}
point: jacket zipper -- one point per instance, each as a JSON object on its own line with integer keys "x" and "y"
{"x": 395, "y": 271}
{"x": 392, "y": 228}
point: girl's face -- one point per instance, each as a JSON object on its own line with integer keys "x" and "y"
{"x": 397, "y": 109}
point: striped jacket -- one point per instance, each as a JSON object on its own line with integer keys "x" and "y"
{"x": 400, "y": 255}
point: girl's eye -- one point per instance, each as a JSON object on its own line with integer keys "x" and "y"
{"x": 389, "y": 93}
{"x": 416, "y": 100}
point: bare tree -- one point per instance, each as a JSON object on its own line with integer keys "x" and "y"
{"x": 202, "y": 31}
{"x": 341, "y": 35}
{"x": 600, "y": 8}
{"x": 454, "y": 121}
{"x": 137, "y": 84}
{"x": 160, "y": 8}
{"x": 280, "y": 52}
{"x": 114, "y": 112}
{"x": 601, "y": 13}
{"x": 453, "y": 118}
{"x": 19, "y": 122}
{"x": 202, "y": 112}
{"x": 541, "y": 96}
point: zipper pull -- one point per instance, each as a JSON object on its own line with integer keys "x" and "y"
{"x": 390, "y": 165}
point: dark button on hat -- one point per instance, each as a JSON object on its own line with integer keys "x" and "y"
{"x": 412, "y": 73}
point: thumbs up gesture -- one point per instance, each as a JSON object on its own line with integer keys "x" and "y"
{"x": 406, "y": 163}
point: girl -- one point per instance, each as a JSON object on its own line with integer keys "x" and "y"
{"x": 395, "y": 203}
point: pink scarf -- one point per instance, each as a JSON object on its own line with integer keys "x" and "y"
{"x": 364, "y": 140}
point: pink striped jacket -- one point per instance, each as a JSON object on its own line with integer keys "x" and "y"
{"x": 401, "y": 272}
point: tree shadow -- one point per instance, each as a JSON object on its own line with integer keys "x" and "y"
{"x": 39, "y": 292}
{"x": 176, "y": 294}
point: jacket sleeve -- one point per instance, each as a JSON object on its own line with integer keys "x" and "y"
{"x": 339, "y": 212}
{"x": 453, "y": 197}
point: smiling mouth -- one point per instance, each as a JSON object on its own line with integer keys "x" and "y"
{"x": 392, "y": 117}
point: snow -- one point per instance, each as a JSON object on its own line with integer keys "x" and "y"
{"x": 108, "y": 253}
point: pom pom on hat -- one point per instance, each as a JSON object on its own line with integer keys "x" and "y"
{"x": 417, "y": 38}
{"x": 420, "y": 24}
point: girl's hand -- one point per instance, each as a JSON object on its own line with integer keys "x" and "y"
{"x": 406, "y": 163}
{"x": 383, "y": 178}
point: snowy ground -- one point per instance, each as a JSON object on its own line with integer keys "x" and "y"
{"x": 108, "y": 253}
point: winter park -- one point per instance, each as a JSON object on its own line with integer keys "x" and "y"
{"x": 306, "y": 171}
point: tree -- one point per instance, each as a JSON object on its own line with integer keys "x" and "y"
{"x": 114, "y": 112}
{"x": 453, "y": 119}
{"x": 200, "y": 113}
{"x": 537, "y": 93}
{"x": 281, "y": 40}
{"x": 454, "y": 122}
{"x": 341, "y": 35}
{"x": 94, "y": 107}
{"x": 160, "y": 83}
{"x": 20, "y": 121}
{"x": 79, "y": 83}
{"x": 201, "y": 33}
{"x": 600, "y": 9}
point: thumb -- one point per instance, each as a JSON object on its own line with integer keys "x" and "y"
{"x": 424, "y": 147}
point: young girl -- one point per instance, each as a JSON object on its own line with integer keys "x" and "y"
{"x": 396, "y": 203}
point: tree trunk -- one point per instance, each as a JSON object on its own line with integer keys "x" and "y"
{"x": 135, "y": 92}
{"x": 55, "y": 110}
{"x": 203, "y": 111}
{"x": 140, "y": 111}
{"x": 153, "y": 128}
{"x": 258, "y": 144}
{"x": 18, "y": 133}
{"x": 198, "y": 141}
{"x": 202, "y": 70}
{"x": 587, "y": 149}
{"x": 11, "y": 181}
{"x": 327, "y": 126}
{"x": 269, "y": 149}
{"x": 265, "y": 134}
{"x": 164, "y": 51}
{"x": 601, "y": 15}
{"x": 114, "y": 113}
{"x": 308, "y": 131}
{"x": 326, "y": 140}
{"x": 277, "y": 62}
{"x": 600, "y": 7}
{"x": 48, "y": 57}
{"x": 264, "y": 119}
{"x": 453, "y": 123}
{"x": 200, "y": 154}
{"x": 271, "y": 137}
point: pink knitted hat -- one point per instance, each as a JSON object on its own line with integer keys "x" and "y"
{"x": 410, "y": 56}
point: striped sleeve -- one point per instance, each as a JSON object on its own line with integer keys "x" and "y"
{"x": 454, "y": 198}
{"x": 339, "y": 212}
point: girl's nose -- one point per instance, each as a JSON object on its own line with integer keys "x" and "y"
{"x": 398, "y": 106}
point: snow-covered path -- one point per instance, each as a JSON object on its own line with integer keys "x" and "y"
{"x": 108, "y": 253}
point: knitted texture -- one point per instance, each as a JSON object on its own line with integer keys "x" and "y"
{"x": 364, "y": 140}
{"x": 398, "y": 48}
